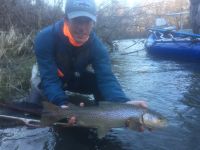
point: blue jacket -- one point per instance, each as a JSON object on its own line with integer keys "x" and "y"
{"x": 50, "y": 44}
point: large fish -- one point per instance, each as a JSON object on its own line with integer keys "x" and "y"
{"x": 105, "y": 116}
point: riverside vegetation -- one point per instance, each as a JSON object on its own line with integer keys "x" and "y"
{"x": 19, "y": 22}
{"x": 16, "y": 59}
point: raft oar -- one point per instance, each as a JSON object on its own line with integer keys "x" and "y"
{"x": 30, "y": 108}
{"x": 31, "y": 122}
{"x": 23, "y": 121}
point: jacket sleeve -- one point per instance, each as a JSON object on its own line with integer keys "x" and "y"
{"x": 51, "y": 85}
{"x": 107, "y": 82}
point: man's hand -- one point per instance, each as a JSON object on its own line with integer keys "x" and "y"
{"x": 71, "y": 120}
{"x": 139, "y": 103}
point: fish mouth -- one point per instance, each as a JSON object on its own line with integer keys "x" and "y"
{"x": 153, "y": 121}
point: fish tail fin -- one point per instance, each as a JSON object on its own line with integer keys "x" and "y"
{"x": 51, "y": 114}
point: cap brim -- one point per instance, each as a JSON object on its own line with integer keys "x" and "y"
{"x": 76, "y": 14}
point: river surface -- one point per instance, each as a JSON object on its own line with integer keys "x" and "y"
{"x": 169, "y": 87}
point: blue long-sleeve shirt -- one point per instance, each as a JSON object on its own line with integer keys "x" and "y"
{"x": 51, "y": 43}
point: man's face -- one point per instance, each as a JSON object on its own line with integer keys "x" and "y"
{"x": 80, "y": 28}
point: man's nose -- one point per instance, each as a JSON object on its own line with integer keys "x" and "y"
{"x": 83, "y": 27}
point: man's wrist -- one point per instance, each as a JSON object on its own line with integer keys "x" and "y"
{"x": 64, "y": 106}
{"x": 61, "y": 101}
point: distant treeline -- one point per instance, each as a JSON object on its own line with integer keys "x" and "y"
{"x": 27, "y": 15}
{"x": 115, "y": 20}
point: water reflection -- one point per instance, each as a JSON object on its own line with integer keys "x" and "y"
{"x": 169, "y": 87}
{"x": 86, "y": 139}
{"x": 22, "y": 138}
{"x": 192, "y": 96}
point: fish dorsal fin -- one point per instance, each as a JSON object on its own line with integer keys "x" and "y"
{"x": 106, "y": 103}
{"x": 102, "y": 131}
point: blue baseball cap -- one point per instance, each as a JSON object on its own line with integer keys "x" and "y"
{"x": 79, "y": 8}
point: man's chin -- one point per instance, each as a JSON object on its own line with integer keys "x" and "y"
{"x": 81, "y": 40}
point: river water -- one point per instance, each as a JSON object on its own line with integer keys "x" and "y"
{"x": 169, "y": 87}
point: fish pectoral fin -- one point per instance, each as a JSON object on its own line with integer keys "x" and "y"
{"x": 101, "y": 132}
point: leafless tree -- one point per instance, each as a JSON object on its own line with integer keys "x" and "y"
{"x": 117, "y": 21}
{"x": 195, "y": 15}
{"x": 27, "y": 15}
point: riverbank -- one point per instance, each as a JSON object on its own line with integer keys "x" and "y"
{"x": 16, "y": 60}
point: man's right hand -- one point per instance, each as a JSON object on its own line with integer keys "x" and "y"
{"x": 71, "y": 120}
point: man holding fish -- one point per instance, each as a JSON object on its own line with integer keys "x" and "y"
{"x": 71, "y": 57}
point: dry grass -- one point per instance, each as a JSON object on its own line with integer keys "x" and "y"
{"x": 16, "y": 59}
{"x": 13, "y": 43}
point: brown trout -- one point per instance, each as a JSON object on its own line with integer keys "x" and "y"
{"x": 105, "y": 116}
